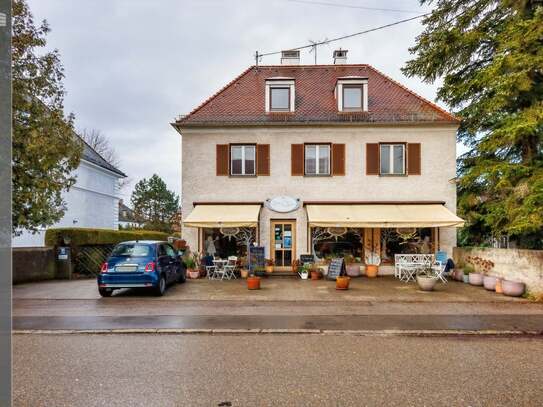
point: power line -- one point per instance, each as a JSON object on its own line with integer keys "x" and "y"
{"x": 324, "y": 3}
{"x": 314, "y": 45}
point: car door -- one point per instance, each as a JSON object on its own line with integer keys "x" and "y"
{"x": 164, "y": 262}
{"x": 174, "y": 269}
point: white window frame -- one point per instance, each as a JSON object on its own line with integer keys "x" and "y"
{"x": 279, "y": 82}
{"x": 391, "y": 158}
{"x": 243, "y": 147}
{"x": 354, "y": 80}
{"x": 317, "y": 171}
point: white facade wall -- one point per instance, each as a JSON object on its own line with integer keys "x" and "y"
{"x": 92, "y": 202}
{"x": 201, "y": 184}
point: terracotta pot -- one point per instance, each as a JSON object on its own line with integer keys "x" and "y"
{"x": 426, "y": 283}
{"x": 342, "y": 283}
{"x": 269, "y": 269}
{"x": 315, "y": 275}
{"x": 372, "y": 270}
{"x": 253, "y": 283}
{"x": 193, "y": 273}
{"x": 513, "y": 288}
{"x": 244, "y": 273}
{"x": 353, "y": 270}
{"x": 489, "y": 282}
{"x": 499, "y": 289}
{"x": 476, "y": 278}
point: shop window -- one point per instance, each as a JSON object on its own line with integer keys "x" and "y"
{"x": 402, "y": 241}
{"x": 331, "y": 246}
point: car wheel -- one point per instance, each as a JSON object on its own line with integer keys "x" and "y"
{"x": 182, "y": 277}
{"x": 105, "y": 293}
{"x": 161, "y": 287}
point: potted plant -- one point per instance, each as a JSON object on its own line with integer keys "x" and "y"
{"x": 304, "y": 272}
{"x": 342, "y": 282}
{"x": 253, "y": 282}
{"x": 475, "y": 277}
{"x": 466, "y": 272}
{"x": 323, "y": 265}
{"x": 192, "y": 268}
{"x": 372, "y": 264}
{"x": 269, "y": 266}
{"x": 352, "y": 268}
{"x": 244, "y": 271}
{"x": 513, "y": 288}
{"x": 426, "y": 279}
{"x": 315, "y": 273}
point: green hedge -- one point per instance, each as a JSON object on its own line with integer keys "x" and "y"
{"x": 83, "y": 236}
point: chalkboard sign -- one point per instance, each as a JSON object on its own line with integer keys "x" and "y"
{"x": 336, "y": 269}
{"x": 307, "y": 258}
{"x": 257, "y": 257}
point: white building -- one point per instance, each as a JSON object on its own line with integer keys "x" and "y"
{"x": 92, "y": 202}
{"x": 331, "y": 159}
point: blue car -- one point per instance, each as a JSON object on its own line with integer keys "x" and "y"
{"x": 145, "y": 263}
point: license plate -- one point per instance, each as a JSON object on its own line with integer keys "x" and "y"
{"x": 126, "y": 268}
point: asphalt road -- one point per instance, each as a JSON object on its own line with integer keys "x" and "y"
{"x": 275, "y": 370}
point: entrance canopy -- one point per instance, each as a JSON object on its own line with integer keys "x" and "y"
{"x": 382, "y": 215}
{"x": 221, "y": 216}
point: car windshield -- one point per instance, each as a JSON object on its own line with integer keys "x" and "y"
{"x": 132, "y": 250}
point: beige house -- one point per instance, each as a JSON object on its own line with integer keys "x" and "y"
{"x": 318, "y": 159}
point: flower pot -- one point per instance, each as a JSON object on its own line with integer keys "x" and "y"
{"x": 459, "y": 274}
{"x": 342, "y": 283}
{"x": 465, "y": 278}
{"x": 489, "y": 282}
{"x": 315, "y": 275}
{"x": 513, "y": 288}
{"x": 269, "y": 269}
{"x": 499, "y": 289}
{"x": 244, "y": 273}
{"x": 426, "y": 283}
{"x": 476, "y": 278}
{"x": 323, "y": 269}
{"x": 304, "y": 275}
{"x": 353, "y": 270}
{"x": 253, "y": 283}
{"x": 193, "y": 273}
{"x": 372, "y": 270}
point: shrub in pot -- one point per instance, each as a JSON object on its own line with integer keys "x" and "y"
{"x": 513, "y": 288}
{"x": 373, "y": 260}
{"x": 465, "y": 276}
{"x": 342, "y": 282}
{"x": 192, "y": 267}
{"x": 352, "y": 268}
{"x": 315, "y": 273}
{"x": 304, "y": 272}
{"x": 269, "y": 265}
{"x": 426, "y": 279}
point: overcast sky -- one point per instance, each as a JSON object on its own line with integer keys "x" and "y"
{"x": 132, "y": 66}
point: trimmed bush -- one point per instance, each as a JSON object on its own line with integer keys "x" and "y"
{"x": 84, "y": 236}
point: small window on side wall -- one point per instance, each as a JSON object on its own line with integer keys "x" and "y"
{"x": 352, "y": 97}
{"x": 392, "y": 158}
{"x": 280, "y": 99}
{"x": 242, "y": 160}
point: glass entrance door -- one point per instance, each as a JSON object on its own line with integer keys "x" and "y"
{"x": 283, "y": 244}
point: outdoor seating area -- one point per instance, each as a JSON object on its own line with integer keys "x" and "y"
{"x": 221, "y": 269}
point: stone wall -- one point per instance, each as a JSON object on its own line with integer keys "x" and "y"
{"x": 33, "y": 264}
{"x": 512, "y": 264}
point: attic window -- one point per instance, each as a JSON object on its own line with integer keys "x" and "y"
{"x": 279, "y": 95}
{"x": 352, "y": 97}
{"x": 352, "y": 94}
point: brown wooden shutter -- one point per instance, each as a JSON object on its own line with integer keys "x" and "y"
{"x": 297, "y": 159}
{"x": 372, "y": 159}
{"x": 223, "y": 159}
{"x": 338, "y": 159}
{"x": 262, "y": 159}
{"x": 413, "y": 159}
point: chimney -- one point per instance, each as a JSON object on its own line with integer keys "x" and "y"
{"x": 340, "y": 56}
{"x": 290, "y": 57}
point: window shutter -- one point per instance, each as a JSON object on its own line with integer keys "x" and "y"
{"x": 338, "y": 159}
{"x": 372, "y": 159}
{"x": 297, "y": 159}
{"x": 413, "y": 159}
{"x": 262, "y": 159}
{"x": 223, "y": 159}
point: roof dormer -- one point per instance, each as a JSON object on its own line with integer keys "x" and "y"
{"x": 280, "y": 95}
{"x": 352, "y": 94}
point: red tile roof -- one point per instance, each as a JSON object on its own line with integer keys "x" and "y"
{"x": 242, "y": 101}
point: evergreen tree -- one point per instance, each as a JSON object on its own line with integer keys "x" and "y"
{"x": 45, "y": 151}
{"x": 154, "y": 205}
{"x": 490, "y": 56}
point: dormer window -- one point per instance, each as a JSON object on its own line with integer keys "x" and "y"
{"x": 352, "y": 94}
{"x": 280, "y": 95}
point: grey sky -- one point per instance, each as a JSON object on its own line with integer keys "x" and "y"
{"x": 132, "y": 66}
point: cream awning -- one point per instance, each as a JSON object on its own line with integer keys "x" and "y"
{"x": 382, "y": 215}
{"x": 219, "y": 216}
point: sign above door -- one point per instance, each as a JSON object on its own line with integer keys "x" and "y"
{"x": 283, "y": 204}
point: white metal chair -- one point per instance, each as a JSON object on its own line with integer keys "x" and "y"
{"x": 231, "y": 267}
{"x": 405, "y": 265}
